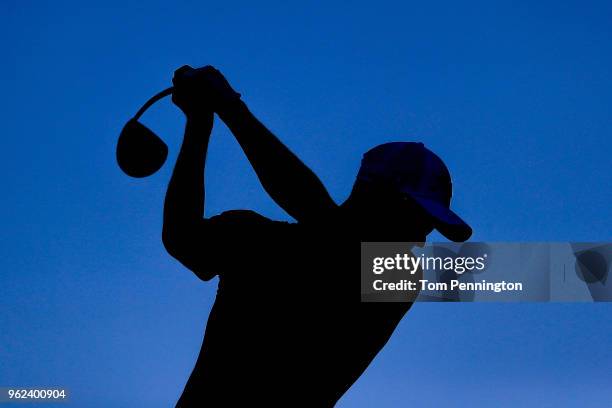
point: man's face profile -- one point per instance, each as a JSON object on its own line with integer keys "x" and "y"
{"x": 389, "y": 213}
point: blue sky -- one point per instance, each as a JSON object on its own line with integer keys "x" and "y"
{"x": 514, "y": 96}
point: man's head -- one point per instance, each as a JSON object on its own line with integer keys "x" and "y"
{"x": 404, "y": 190}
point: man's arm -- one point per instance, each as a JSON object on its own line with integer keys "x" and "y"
{"x": 202, "y": 245}
{"x": 184, "y": 203}
{"x": 290, "y": 183}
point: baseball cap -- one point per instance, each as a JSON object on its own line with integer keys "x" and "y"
{"x": 414, "y": 170}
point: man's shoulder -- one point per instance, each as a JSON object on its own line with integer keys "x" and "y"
{"x": 245, "y": 218}
{"x": 335, "y": 219}
{"x": 334, "y": 222}
{"x": 238, "y": 215}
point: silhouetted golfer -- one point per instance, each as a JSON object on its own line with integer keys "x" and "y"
{"x": 287, "y": 327}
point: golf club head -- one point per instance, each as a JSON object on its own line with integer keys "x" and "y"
{"x": 140, "y": 152}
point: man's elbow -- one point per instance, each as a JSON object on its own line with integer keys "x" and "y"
{"x": 171, "y": 238}
{"x": 178, "y": 244}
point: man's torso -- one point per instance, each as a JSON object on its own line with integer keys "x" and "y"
{"x": 288, "y": 322}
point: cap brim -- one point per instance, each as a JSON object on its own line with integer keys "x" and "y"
{"x": 446, "y": 221}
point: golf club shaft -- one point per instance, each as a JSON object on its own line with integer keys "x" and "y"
{"x": 154, "y": 98}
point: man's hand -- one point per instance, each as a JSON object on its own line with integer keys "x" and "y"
{"x": 202, "y": 90}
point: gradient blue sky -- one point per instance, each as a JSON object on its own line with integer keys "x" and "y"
{"x": 514, "y": 95}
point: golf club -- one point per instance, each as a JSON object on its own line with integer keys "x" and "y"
{"x": 140, "y": 152}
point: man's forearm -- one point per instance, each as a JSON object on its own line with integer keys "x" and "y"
{"x": 184, "y": 203}
{"x": 290, "y": 183}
